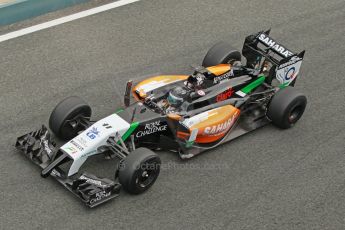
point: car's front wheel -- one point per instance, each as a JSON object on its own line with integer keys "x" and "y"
{"x": 68, "y": 117}
{"x": 139, "y": 170}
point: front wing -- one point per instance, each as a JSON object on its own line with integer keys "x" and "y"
{"x": 39, "y": 148}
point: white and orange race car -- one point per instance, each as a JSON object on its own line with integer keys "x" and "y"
{"x": 187, "y": 114}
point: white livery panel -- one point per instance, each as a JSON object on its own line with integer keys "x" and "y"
{"x": 86, "y": 143}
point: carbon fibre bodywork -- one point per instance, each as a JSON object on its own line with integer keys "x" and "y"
{"x": 227, "y": 101}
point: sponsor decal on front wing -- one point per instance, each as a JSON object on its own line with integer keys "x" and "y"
{"x": 92, "y": 181}
{"x": 99, "y": 196}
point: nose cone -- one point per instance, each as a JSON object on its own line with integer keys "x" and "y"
{"x": 87, "y": 142}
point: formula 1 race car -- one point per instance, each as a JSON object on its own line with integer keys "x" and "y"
{"x": 187, "y": 114}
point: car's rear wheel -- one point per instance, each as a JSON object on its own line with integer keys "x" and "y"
{"x": 286, "y": 107}
{"x": 221, "y": 53}
{"x": 139, "y": 170}
{"x": 65, "y": 120}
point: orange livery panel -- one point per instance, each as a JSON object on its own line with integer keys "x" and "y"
{"x": 219, "y": 69}
{"x": 152, "y": 83}
{"x": 212, "y": 125}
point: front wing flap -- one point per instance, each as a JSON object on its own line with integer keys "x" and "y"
{"x": 41, "y": 150}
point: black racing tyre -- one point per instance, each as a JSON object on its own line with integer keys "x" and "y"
{"x": 286, "y": 107}
{"x": 70, "y": 109}
{"x": 221, "y": 53}
{"x": 139, "y": 170}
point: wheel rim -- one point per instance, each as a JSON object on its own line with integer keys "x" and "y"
{"x": 148, "y": 174}
{"x": 295, "y": 114}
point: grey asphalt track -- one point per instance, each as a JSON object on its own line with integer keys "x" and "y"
{"x": 268, "y": 179}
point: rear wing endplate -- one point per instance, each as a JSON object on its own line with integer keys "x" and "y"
{"x": 286, "y": 63}
{"x": 266, "y": 46}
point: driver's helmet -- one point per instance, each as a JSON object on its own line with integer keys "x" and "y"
{"x": 177, "y": 96}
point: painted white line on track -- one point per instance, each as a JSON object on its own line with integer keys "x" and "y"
{"x": 65, "y": 19}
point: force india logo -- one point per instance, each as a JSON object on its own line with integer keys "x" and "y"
{"x": 221, "y": 128}
{"x": 151, "y": 128}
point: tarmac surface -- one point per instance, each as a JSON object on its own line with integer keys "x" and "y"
{"x": 268, "y": 179}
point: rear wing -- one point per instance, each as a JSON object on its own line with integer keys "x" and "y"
{"x": 286, "y": 63}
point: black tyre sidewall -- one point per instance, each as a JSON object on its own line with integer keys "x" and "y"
{"x": 221, "y": 53}
{"x": 67, "y": 109}
{"x": 131, "y": 168}
{"x": 282, "y": 104}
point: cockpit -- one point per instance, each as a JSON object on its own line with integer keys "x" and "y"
{"x": 202, "y": 88}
